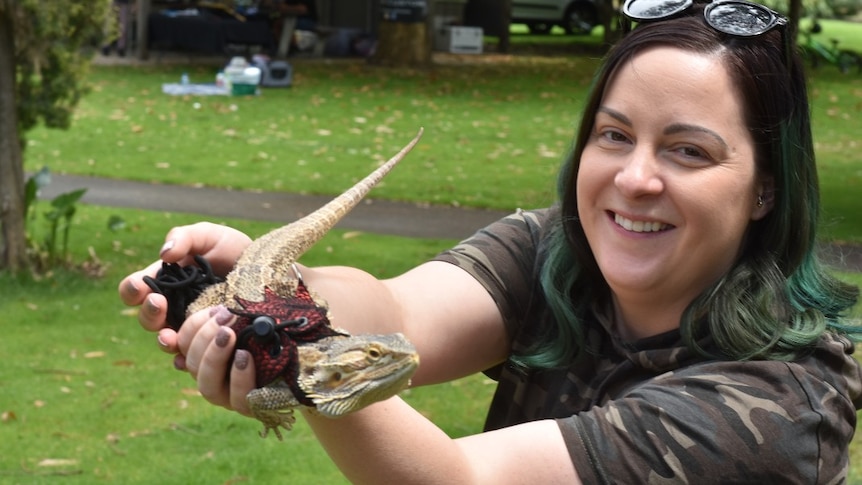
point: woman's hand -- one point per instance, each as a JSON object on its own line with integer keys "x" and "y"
{"x": 220, "y": 245}
{"x": 206, "y": 345}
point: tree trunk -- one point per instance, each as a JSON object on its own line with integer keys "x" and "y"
{"x": 506, "y": 24}
{"x": 13, "y": 244}
{"x": 402, "y": 44}
{"x": 403, "y": 34}
{"x": 610, "y": 21}
{"x": 794, "y": 14}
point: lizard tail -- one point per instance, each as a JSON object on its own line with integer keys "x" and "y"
{"x": 282, "y": 246}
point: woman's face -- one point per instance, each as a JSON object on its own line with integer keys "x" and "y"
{"x": 667, "y": 183}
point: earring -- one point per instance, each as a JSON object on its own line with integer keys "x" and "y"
{"x": 760, "y": 201}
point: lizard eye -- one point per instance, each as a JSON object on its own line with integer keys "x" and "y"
{"x": 374, "y": 353}
{"x": 336, "y": 377}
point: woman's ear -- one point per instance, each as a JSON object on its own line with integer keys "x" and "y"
{"x": 765, "y": 200}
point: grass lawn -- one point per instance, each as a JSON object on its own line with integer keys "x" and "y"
{"x": 85, "y": 395}
{"x": 495, "y": 132}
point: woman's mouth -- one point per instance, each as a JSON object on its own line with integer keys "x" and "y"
{"x": 640, "y": 226}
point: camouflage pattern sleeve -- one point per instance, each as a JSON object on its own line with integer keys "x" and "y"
{"x": 726, "y": 422}
{"x": 503, "y": 258}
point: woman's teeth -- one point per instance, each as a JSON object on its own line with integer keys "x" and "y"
{"x": 639, "y": 226}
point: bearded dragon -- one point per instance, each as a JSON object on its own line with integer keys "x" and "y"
{"x": 300, "y": 358}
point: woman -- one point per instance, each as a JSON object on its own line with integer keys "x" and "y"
{"x": 668, "y": 320}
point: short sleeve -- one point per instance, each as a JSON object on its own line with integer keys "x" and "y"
{"x": 503, "y": 257}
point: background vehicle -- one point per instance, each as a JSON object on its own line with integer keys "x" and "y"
{"x": 540, "y": 16}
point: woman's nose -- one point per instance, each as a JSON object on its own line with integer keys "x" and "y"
{"x": 640, "y": 175}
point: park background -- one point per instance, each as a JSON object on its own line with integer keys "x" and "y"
{"x": 85, "y": 395}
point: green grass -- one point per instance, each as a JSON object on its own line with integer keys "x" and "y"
{"x": 496, "y": 131}
{"x": 487, "y": 143}
{"x": 85, "y": 395}
{"x": 848, "y": 34}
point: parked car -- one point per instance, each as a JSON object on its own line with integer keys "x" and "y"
{"x": 540, "y": 16}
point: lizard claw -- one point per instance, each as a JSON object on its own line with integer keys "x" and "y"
{"x": 274, "y": 419}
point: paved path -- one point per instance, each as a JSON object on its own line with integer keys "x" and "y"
{"x": 377, "y": 216}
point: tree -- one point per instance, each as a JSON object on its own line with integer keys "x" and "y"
{"x": 45, "y": 48}
{"x": 794, "y": 14}
{"x": 403, "y": 35}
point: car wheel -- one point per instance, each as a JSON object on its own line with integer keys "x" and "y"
{"x": 540, "y": 28}
{"x": 580, "y": 18}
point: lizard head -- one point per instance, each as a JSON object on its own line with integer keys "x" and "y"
{"x": 345, "y": 374}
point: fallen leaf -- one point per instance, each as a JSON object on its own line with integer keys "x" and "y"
{"x": 8, "y": 416}
{"x": 57, "y": 462}
{"x": 138, "y": 434}
{"x": 94, "y": 354}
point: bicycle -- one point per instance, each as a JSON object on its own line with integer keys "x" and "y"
{"x": 817, "y": 52}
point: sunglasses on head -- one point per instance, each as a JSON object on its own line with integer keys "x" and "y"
{"x": 735, "y": 17}
{"x": 739, "y": 18}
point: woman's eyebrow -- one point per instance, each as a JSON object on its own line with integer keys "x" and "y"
{"x": 615, "y": 115}
{"x": 670, "y": 130}
{"x": 684, "y": 127}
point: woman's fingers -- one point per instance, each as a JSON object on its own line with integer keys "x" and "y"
{"x": 220, "y": 245}
{"x": 242, "y": 381}
{"x": 214, "y": 367}
{"x": 220, "y": 360}
{"x": 196, "y": 334}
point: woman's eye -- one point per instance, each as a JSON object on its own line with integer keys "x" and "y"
{"x": 613, "y": 136}
{"x": 691, "y": 155}
{"x": 692, "y": 152}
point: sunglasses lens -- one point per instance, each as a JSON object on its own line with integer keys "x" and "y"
{"x": 653, "y": 9}
{"x": 740, "y": 19}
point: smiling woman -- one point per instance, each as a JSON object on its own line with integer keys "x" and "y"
{"x": 667, "y": 320}
{"x": 670, "y": 153}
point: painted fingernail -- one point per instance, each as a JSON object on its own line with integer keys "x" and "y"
{"x": 240, "y": 360}
{"x": 167, "y": 246}
{"x": 132, "y": 288}
{"x": 180, "y": 362}
{"x": 222, "y": 337}
{"x": 161, "y": 342}
{"x": 223, "y": 316}
{"x": 152, "y": 307}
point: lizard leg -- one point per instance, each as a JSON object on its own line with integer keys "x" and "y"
{"x": 273, "y": 406}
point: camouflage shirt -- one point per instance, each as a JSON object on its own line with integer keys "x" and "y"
{"x": 652, "y": 411}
